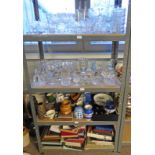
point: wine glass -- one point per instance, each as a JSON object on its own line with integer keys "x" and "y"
{"x": 76, "y": 78}
{"x": 83, "y": 62}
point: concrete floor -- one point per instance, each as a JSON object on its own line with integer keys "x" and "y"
{"x": 31, "y": 148}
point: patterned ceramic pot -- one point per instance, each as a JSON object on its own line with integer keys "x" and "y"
{"x": 78, "y": 112}
{"x": 110, "y": 107}
{"x": 88, "y": 111}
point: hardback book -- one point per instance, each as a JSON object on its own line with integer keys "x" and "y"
{"x": 94, "y": 146}
{"x": 103, "y": 132}
{"x": 65, "y": 127}
{"x": 104, "y": 127}
{"x": 98, "y": 136}
{"x": 67, "y": 135}
{"x": 99, "y": 142}
{"x": 48, "y": 136}
{"x": 55, "y": 128}
{"x": 51, "y": 143}
{"x": 80, "y": 140}
{"x": 72, "y": 144}
{"x": 72, "y": 148}
{"x": 75, "y": 130}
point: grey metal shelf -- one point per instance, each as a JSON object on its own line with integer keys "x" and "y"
{"x": 71, "y": 37}
{"x": 74, "y": 90}
{"x": 122, "y": 88}
{"x": 82, "y": 88}
{"x": 73, "y": 121}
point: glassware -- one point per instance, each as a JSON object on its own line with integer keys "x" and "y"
{"x": 118, "y": 20}
{"x": 83, "y": 62}
{"x": 76, "y": 78}
{"x": 65, "y": 78}
{"x": 37, "y": 80}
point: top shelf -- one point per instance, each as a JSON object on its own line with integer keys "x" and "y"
{"x": 69, "y": 37}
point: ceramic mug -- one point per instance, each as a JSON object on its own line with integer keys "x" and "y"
{"x": 50, "y": 114}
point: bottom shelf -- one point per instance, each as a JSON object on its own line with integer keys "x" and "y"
{"x": 78, "y": 138}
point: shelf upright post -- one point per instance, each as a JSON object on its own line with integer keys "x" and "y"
{"x": 26, "y": 73}
{"x": 37, "y": 18}
{"x": 27, "y": 78}
{"x": 126, "y": 60}
{"x": 35, "y": 122}
{"x": 125, "y": 101}
{"x": 114, "y": 55}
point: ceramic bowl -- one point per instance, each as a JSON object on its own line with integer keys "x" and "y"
{"x": 100, "y": 99}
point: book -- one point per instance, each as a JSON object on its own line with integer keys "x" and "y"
{"x": 75, "y": 131}
{"x": 98, "y": 142}
{"x": 94, "y": 146}
{"x": 75, "y": 140}
{"x": 104, "y": 127}
{"x": 103, "y": 132}
{"x": 48, "y": 136}
{"x": 55, "y": 128}
{"x": 66, "y": 133}
{"x": 72, "y": 148}
{"x": 98, "y": 136}
{"x": 51, "y": 143}
{"x": 66, "y": 127}
{"x": 72, "y": 144}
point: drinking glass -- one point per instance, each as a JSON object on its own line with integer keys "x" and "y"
{"x": 83, "y": 62}
{"x": 37, "y": 79}
{"x": 65, "y": 78}
{"x": 76, "y": 78}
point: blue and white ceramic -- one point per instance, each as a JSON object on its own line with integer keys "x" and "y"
{"x": 100, "y": 99}
{"x": 110, "y": 107}
{"x": 78, "y": 112}
{"x": 88, "y": 111}
{"x": 87, "y": 98}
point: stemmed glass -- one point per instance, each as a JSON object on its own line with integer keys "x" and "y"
{"x": 83, "y": 62}
{"x": 76, "y": 78}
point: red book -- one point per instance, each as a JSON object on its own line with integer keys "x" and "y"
{"x": 77, "y": 140}
{"x": 103, "y": 131}
{"x": 65, "y": 134}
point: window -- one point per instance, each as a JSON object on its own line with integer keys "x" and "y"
{"x": 54, "y": 13}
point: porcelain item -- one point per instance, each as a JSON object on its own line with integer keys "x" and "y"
{"x": 50, "y": 114}
{"x": 100, "y": 99}
{"x": 109, "y": 107}
{"x": 78, "y": 112}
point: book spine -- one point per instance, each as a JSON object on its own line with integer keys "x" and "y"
{"x": 102, "y": 142}
{"x": 73, "y": 144}
{"x": 99, "y": 136}
{"x": 103, "y": 133}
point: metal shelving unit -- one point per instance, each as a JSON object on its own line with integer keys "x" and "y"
{"x": 122, "y": 88}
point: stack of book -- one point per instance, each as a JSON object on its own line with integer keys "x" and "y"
{"x": 100, "y": 135}
{"x": 73, "y": 138}
{"x": 51, "y": 138}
